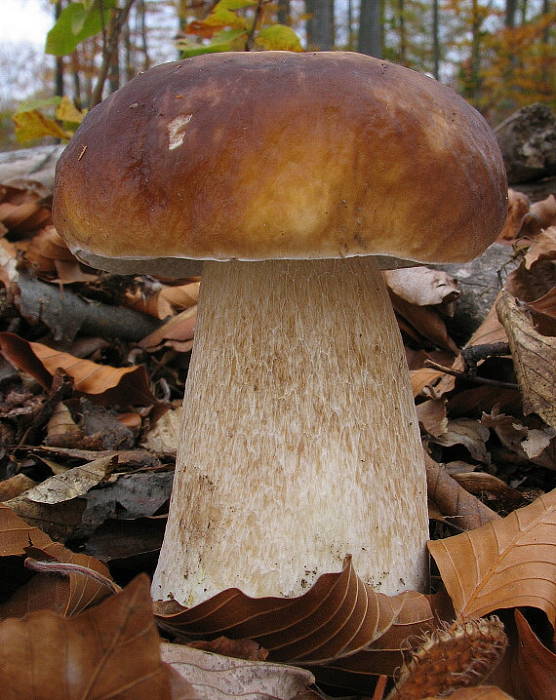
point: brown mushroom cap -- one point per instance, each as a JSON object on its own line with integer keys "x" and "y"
{"x": 265, "y": 155}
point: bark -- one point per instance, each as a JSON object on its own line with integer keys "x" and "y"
{"x": 370, "y": 30}
{"x": 283, "y": 12}
{"x": 320, "y": 24}
{"x": 59, "y": 80}
{"x": 435, "y": 40}
{"x": 527, "y": 139}
{"x": 300, "y": 442}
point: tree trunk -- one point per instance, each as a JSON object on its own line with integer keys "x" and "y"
{"x": 320, "y": 24}
{"x": 59, "y": 82}
{"x": 435, "y": 41}
{"x": 283, "y": 12}
{"x": 401, "y": 22}
{"x": 370, "y": 30}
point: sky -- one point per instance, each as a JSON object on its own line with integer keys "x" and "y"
{"x": 24, "y": 20}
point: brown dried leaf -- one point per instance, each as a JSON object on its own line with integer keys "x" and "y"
{"x": 58, "y": 521}
{"x": 165, "y": 301}
{"x": 518, "y": 206}
{"x": 163, "y": 438}
{"x": 214, "y": 676}
{"x": 541, "y": 215}
{"x": 456, "y": 657}
{"x": 481, "y": 692}
{"x": 432, "y": 416}
{"x": 469, "y": 433}
{"x": 542, "y": 247}
{"x": 45, "y": 248}
{"x": 543, "y": 312}
{"x": 16, "y": 534}
{"x": 338, "y": 616}
{"x": 23, "y": 210}
{"x": 422, "y": 285}
{"x": 426, "y": 321}
{"x": 418, "y": 614}
{"x": 61, "y": 429}
{"x": 503, "y": 564}
{"x": 109, "y": 651}
{"x": 430, "y": 382}
{"x": 536, "y": 663}
{"x": 238, "y": 648}
{"x": 15, "y": 485}
{"x": 114, "y": 385}
{"x": 177, "y": 332}
{"x": 67, "y": 594}
{"x": 534, "y": 358}
{"x": 73, "y": 482}
{"x": 490, "y": 487}
{"x": 490, "y": 330}
{"x": 528, "y": 443}
{"x": 453, "y": 501}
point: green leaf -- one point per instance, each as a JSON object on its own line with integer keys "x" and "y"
{"x": 278, "y": 37}
{"x": 41, "y": 103}
{"x": 223, "y": 14}
{"x": 75, "y": 24}
{"x": 223, "y": 41}
{"x": 33, "y": 125}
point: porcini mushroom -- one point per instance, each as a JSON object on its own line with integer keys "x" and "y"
{"x": 287, "y": 174}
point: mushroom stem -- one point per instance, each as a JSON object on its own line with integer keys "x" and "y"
{"x": 300, "y": 442}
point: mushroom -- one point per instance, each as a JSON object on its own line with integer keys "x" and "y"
{"x": 295, "y": 177}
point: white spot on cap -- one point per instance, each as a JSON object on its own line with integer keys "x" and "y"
{"x": 176, "y": 130}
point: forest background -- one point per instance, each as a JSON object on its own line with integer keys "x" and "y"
{"x": 499, "y": 54}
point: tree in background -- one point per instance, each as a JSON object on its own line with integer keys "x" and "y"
{"x": 499, "y": 54}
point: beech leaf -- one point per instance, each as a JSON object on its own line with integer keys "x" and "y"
{"x": 115, "y": 385}
{"x": 503, "y": 564}
{"x": 111, "y": 651}
{"x": 536, "y": 663}
{"x": 214, "y": 676}
{"x": 534, "y": 358}
{"x": 338, "y": 615}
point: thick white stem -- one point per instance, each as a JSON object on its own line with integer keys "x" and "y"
{"x": 300, "y": 441}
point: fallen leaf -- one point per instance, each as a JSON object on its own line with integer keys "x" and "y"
{"x": 16, "y": 534}
{"x": 163, "y": 438}
{"x": 469, "y": 433}
{"x": 534, "y": 358}
{"x": 177, "y": 333}
{"x": 114, "y": 385}
{"x": 418, "y": 614}
{"x": 111, "y": 650}
{"x": 482, "y": 692}
{"x": 432, "y": 416}
{"x": 536, "y": 663}
{"x": 503, "y": 564}
{"x": 518, "y": 207}
{"x": 541, "y": 215}
{"x": 67, "y": 594}
{"x": 338, "y": 616}
{"x": 59, "y": 521}
{"x": 238, "y": 648}
{"x": 422, "y": 286}
{"x": 214, "y": 676}
{"x": 14, "y": 486}
{"x": 453, "y": 501}
{"x": 72, "y": 483}
{"x": 528, "y": 443}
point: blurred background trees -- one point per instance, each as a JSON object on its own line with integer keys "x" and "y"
{"x": 499, "y": 54}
